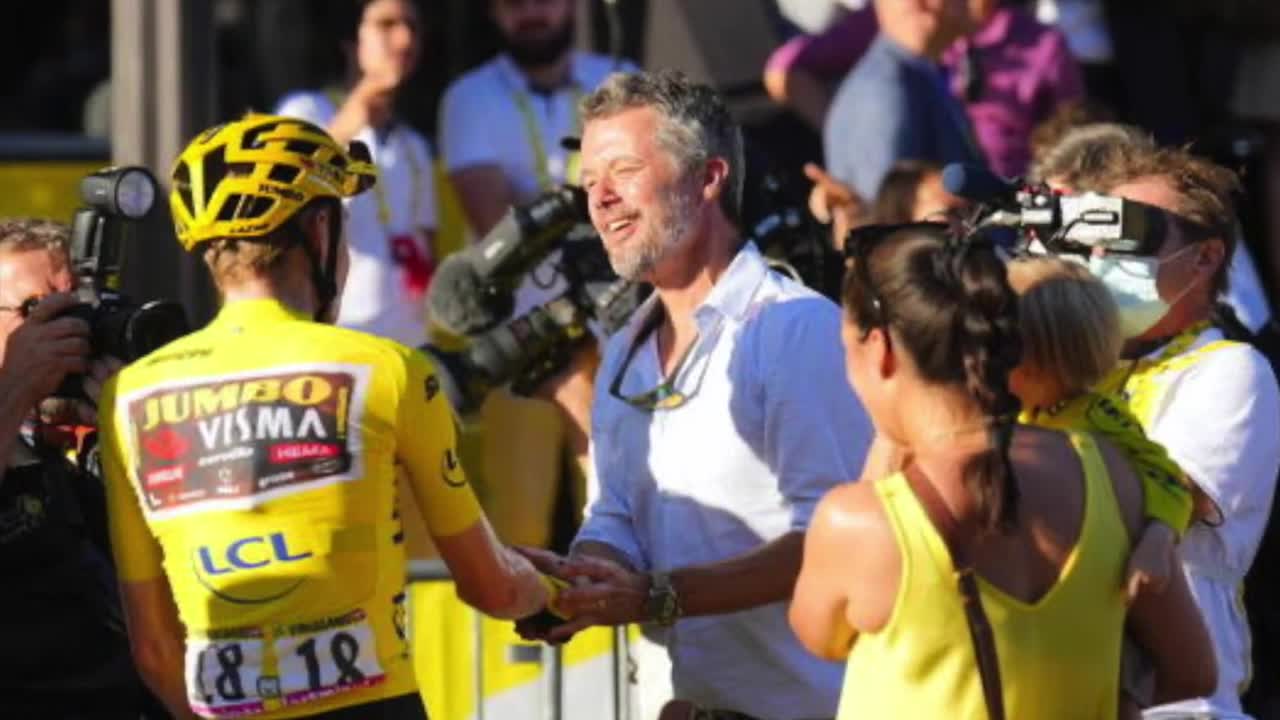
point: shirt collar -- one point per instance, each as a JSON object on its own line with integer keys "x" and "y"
{"x": 885, "y": 44}
{"x": 515, "y": 77}
{"x": 730, "y": 297}
{"x": 732, "y": 294}
{"x": 267, "y": 310}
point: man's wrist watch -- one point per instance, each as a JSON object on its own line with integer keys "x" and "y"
{"x": 662, "y": 606}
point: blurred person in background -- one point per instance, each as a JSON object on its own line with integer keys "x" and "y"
{"x": 65, "y": 652}
{"x": 894, "y": 104}
{"x": 1044, "y": 519}
{"x": 1010, "y": 74}
{"x": 501, "y": 131}
{"x": 392, "y": 227}
{"x": 912, "y": 191}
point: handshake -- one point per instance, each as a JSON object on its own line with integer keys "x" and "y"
{"x": 585, "y": 591}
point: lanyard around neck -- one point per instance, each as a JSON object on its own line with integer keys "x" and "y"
{"x": 380, "y": 185}
{"x": 532, "y": 131}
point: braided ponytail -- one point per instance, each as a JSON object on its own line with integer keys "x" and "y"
{"x": 950, "y": 302}
{"x": 990, "y": 343}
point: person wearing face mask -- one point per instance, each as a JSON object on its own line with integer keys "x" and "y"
{"x": 1080, "y": 160}
{"x": 391, "y": 228}
{"x": 1212, "y": 403}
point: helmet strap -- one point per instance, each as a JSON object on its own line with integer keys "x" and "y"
{"x": 324, "y": 277}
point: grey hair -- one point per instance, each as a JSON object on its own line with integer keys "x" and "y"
{"x": 25, "y": 234}
{"x": 696, "y": 122}
{"x": 1084, "y": 156}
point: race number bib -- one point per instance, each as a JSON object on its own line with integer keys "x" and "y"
{"x": 228, "y": 677}
{"x": 327, "y": 658}
{"x": 224, "y": 675}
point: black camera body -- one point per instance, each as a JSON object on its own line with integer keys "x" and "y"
{"x": 473, "y": 295}
{"x": 116, "y": 200}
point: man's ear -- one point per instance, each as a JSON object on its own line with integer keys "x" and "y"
{"x": 715, "y": 179}
{"x": 1212, "y": 255}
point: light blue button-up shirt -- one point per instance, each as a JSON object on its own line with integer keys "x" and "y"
{"x": 770, "y": 425}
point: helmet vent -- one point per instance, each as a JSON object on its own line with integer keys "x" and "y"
{"x": 256, "y": 208}
{"x": 213, "y": 170}
{"x": 301, "y": 147}
{"x": 228, "y": 210}
{"x": 284, "y": 173}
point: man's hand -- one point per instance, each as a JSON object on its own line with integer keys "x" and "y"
{"x": 372, "y": 100}
{"x": 604, "y": 593}
{"x": 45, "y": 349}
{"x": 833, "y": 202}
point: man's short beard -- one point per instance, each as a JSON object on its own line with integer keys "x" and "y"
{"x": 541, "y": 52}
{"x": 639, "y": 262}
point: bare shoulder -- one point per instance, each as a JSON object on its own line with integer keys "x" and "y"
{"x": 849, "y": 510}
{"x": 1128, "y": 489}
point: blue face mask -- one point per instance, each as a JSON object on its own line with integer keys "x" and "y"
{"x": 1132, "y": 283}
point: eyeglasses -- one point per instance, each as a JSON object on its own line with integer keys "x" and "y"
{"x": 22, "y": 309}
{"x": 666, "y": 396}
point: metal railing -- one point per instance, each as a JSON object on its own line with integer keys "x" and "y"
{"x": 550, "y": 658}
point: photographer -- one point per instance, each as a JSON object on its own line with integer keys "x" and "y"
{"x": 64, "y": 644}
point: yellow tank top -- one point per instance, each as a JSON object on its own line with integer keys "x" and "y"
{"x": 1059, "y": 657}
{"x": 253, "y": 465}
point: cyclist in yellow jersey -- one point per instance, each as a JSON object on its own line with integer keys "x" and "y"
{"x": 251, "y": 465}
{"x": 1038, "y": 520}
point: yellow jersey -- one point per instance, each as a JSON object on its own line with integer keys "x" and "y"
{"x": 1166, "y": 490}
{"x": 253, "y": 463}
{"x": 1059, "y": 656}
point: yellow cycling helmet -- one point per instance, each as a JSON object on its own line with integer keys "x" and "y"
{"x": 246, "y": 178}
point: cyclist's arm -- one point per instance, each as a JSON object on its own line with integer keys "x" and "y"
{"x": 156, "y": 639}
{"x": 156, "y": 635}
{"x": 488, "y": 576}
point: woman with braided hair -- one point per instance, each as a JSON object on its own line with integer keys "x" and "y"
{"x": 977, "y": 572}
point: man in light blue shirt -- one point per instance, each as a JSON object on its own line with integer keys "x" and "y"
{"x": 894, "y": 105}
{"x": 721, "y": 414}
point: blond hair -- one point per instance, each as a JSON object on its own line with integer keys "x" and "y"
{"x": 233, "y": 261}
{"x": 1070, "y": 324}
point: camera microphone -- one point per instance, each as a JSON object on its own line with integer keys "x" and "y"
{"x": 462, "y": 302}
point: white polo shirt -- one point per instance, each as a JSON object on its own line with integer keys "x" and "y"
{"x": 482, "y": 123}
{"x": 770, "y": 425}
{"x": 1220, "y": 420}
{"x": 376, "y": 299}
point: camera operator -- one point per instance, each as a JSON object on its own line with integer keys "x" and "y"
{"x": 1213, "y": 403}
{"x": 721, "y": 413}
{"x": 64, "y": 645}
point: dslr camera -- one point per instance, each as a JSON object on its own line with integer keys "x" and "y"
{"x": 102, "y": 231}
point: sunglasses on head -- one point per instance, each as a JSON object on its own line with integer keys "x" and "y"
{"x": 858, "y": 246}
